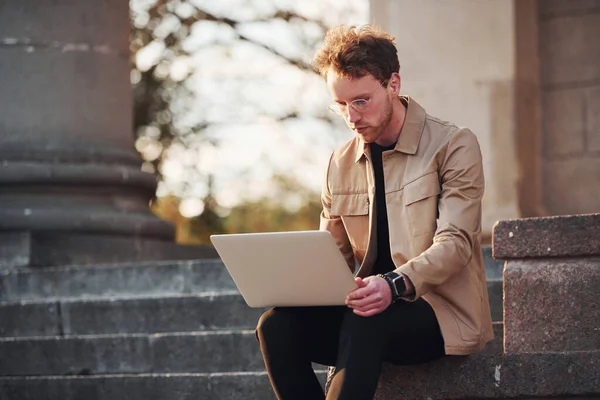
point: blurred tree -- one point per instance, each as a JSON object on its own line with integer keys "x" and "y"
{"x": 161, "y": 87}
{"x": 170, "y": 40}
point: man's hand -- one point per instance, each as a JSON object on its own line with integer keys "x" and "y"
{"x": 372, "y": 296}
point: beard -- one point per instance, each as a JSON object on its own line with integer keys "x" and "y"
{"x": 370, "y": 133}
{"x": 386, "y": 117}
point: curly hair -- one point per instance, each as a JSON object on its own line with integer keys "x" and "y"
{"x": 355, "y": 52}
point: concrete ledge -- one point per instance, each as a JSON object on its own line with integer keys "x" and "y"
{"x": 557, "y": 376}
{"x": 496, "y": 376}
{"x": 552, "y": 304}
{"x": 571, "y": 236}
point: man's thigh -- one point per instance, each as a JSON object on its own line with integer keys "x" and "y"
{"x": 405, "y": 333}
{"x": 417, "y": 337}
{"x": 318, "y": 330}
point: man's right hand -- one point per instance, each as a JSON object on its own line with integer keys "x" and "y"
{"x": 372, "y": 296}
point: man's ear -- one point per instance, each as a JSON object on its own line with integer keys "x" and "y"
{"x": 396, "y": 83}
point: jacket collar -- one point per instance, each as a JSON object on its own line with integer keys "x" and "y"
{"x": 410, "y": 135}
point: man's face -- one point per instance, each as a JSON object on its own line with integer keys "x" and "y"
{"x": 369, "y": 123}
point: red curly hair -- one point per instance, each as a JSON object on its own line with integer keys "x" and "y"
{"x": 357, "y": 51}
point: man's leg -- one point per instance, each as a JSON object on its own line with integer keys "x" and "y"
{"x": 290, "y": 339}
{"x": 405, "y": 333}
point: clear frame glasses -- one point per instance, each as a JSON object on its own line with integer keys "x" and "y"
{"x": 360, "y": 105}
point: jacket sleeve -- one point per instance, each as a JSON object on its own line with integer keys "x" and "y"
{"x": 459, "y": 220}
{"x": 334, "y": 223}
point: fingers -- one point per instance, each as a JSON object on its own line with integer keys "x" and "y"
{"x": 370, "y": 299}
{"x": 363, "y": 290}
{"x": 368, "y": 312}
{"x": 361, "y": 282}
{"x": 360, "y": 293}
{"x": 373, "y": 298}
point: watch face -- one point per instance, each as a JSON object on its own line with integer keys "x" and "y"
{"x": 399, "y": 285}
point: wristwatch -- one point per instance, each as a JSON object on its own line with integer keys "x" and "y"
{"x": 397, "y": 284}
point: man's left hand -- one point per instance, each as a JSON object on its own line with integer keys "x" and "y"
{"x": 372, "y": 296}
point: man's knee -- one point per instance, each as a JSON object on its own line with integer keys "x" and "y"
{"x": 373, "y": 325}
{"x": 272, "y": 322}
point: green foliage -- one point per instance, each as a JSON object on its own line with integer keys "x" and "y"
{"x": 262, "y": 215}
{"x": 266, "y": 216}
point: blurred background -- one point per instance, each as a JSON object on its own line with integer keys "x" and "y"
{"x": 216, "y": 100}
{"x": 229, "y": 113}
{"x": 233, "y": 120}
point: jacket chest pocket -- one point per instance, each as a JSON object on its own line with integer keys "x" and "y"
{"x": 354, "y": 211}
{"x": 421, "y": 202}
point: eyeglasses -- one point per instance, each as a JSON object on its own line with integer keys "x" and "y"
{"x": 360, "y": 105}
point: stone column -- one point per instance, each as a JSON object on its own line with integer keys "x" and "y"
{"x": 570, "y": 104}
{"x": 71, "y": 188}
{"x": 551, "y": 281}
{"x": 457, "y": 60}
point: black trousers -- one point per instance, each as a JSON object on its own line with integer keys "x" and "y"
{"x": 291, "y": 338}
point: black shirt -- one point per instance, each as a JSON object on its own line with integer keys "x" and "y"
{"x": 384, "y": 261}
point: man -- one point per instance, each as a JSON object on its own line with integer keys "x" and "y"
{"x": 403, "y": 201}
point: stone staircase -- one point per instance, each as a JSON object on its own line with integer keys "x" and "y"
{"x": 162, "y": 330}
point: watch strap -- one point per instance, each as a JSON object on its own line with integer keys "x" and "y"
{"x": 389, "y": 278}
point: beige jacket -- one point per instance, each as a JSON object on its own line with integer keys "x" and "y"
{"x": 433, "y": 187}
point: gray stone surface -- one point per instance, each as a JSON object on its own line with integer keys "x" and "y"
{"x": 497, "y": 344}
{"x": 165, "y": 314}
{"x": 178, "y": 313}
{"x": 38, "y": 319}
{"x": 561, "y": 236}
{"x": 75, "y": 356}
{"x": 140, "y": 279}
{"x": 221, "y": 351}
{"x": 493, "y": 267}
{"x": 559, "y": 376}
{"x": 495, "y": 376}
{"x": 564, "y": 124}
{"x": 39, "y": 103}
{"x": 65, "y": 21}
{"x": 593, "y": 120}
{"x": 552, "y": 305}
{"x": 14, "y": 251}
{"x": 572, "y": 185}
{"x": 561, "y": 8}
{"x": 495, "y": 294}
{"x": 220, "y": 386}
{"x": 568, "y": 49}
{"x": 216, "y": 351}
{"x": 67, "y": 160}
{"x": 83, "y": 249}
{"x": 184, "y": 313}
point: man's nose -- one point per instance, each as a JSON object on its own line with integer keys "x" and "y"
{"x": 352, "y": 115}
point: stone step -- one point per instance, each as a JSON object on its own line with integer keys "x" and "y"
{"x": 180, "y": 313}
{"x": 484, "y": 376}
{"x": 169, "y": 313}
{"x": 115, "y": 280}
{"x": 209, "y": 351}
{"x": 215, "y": 386}
{"x": 164, "y": 278}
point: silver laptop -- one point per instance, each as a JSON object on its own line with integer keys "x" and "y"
{"x": 303, "y": 268}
